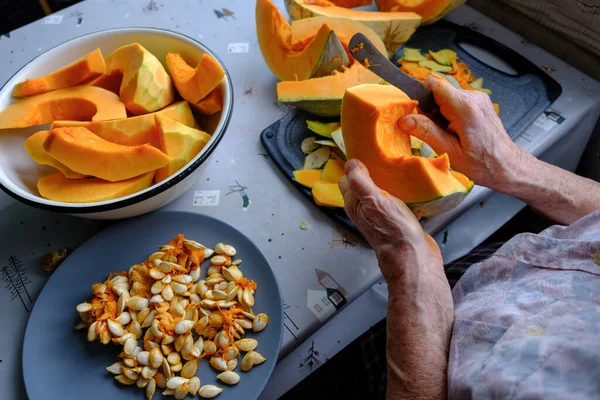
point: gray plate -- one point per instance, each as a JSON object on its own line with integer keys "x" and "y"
{"x": 59, "y": 363}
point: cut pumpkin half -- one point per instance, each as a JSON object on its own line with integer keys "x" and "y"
{"x": 369, "y": 125}
{"x": 321, "y": 96}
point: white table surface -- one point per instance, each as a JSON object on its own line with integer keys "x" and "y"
{"x": 305, "y": 261}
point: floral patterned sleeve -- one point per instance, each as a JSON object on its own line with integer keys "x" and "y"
{"x": 527, "y": 320}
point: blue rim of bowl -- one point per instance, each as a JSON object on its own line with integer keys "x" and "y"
{"x": 161, "y": 187}
{"x": 281, "y": 312}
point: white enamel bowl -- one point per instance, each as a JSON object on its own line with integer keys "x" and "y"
{"x": 19, "y": 173}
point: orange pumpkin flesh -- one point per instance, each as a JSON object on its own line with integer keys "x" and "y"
{"x": 307, "y": 177}
{"x": 86, "y": 68}
{"x": 333, "y": 171}
{"x": 138, "y": 130}
{"x": 327, "y": 194}
{"x": 179, "y": 142}
{"x": 211, "y": 104}
{"x": 351, "y": 3}
{"x": 57, "y": 187}
{"x": 79, "y": 103}
{"x": 35, "y": 148}
{"x": 87, "y": 153}
{"x": 194, "y": 84}
{"x": 145, "y": 86}
{"x": 429, "y": 10}
{"x": 370, "y": 115}
{"x": 110, "y": 82}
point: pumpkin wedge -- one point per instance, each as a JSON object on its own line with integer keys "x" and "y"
{"x": 110, "y": 82}
{"x": 194, "y": 84}
{"x": 327, "y": 194}
{"x": 321, "y": 96}
{"x": 79, "y": 103}
{"x": 307, "y": 177}
{"x": 211, "y": 104}
{"x": 35, "y": 147}
{"x": 181, "y": 143}
{"x": 393, "y": 28}
{"x": 369, "y": 125}
{"x": 86, "y": 68}
{"x": 135, "y": 131}
{"x": 333, "y": 171}
{"x": 57, "y": 187}
{"x": 146, "y": 86}
{"x": 316, "y": 55}
{"x": 85, "y": 152}
{"x": 429, "y": 10}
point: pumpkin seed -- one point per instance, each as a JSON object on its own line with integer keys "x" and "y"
{"x": 178, "y": 288}
{"x": 218, "y": 363}
{"x": 157, "y": 287}
{"x": 230, "y": 353}
{"x": 98, "y": 288}
{"x": 247, "y": 362}
{"x": 129, "y": 362}
{"x": 149, "y": 346}
{"x": 161, "y": 380}
{"x": 177, "y": 367}
{"x": 189, "y": 369}
{"x": 165, "y": 267}
{"x": 135, "y": 328}
{"x": 129, "y": 346}
{"x": 92, "y": 334}
{"x": 248, "y": 297}
{"x": 83, "y": 307}
{"x": 137, "y": 303}
{"x": 166, "y": 369}
{"x": 168, "y": 339}
{"x": 182, "y": 391}
{"x": 260, "y": 322}
{"x": 80, "y": 326}
{"x": 233, "y": 293}
{"x": 195, "y": 274}
{"x": 225, "y": 303}
{"x": 143, "y": 357}
{"x": 167, "y": 279}
{"x": 183, "y": 327}
{"x": 124, "y": 380}
{"x": 150, "y": 389}
{"x": 195, "y": 299}
{"x": 168, "y": 392}
{"x": 158, "y": 255}
{"x": 154, "y": 329}
{"x": 115, "y": 328}
{"x": 209, "y": 391}
{"x": 232, "y": 273}
{"x": 156, "y": 357}
{"x": 167, "y": 293}
{"x": 219, "y": 294}
{"x": 124, "y": 318}
{"x": 212, "y": 270}
{"x": 194, "y": 383}
{"x": 131, "y": 374}
{"x": 232, "y": 364}
{"x": 175, "y": 381}
{"x": 116, "y": 368}
{"x": 210, "y": 347}
{"x": 229, "y": 377}
{"x": 247, "y": 344}
{"x": 236, "y": 262}
{"x": 149, "y": 372}
{"x": 156, "y": 274}
{"x": 183, "y": 279}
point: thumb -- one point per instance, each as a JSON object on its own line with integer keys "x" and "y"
{"x": 425, "y": 129}
{"x": 359, "y": 182}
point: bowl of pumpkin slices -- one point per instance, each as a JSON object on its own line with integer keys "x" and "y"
{"x": 112, "y": 124}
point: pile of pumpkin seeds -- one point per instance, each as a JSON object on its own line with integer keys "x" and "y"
{"x": 179, "y": 318}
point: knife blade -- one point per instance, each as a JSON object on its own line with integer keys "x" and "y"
{"x": 371, "y": 58}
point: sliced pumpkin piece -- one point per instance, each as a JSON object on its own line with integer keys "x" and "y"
{"x": 194, "y": 84}
{"x": 333, "y": 171}
{"x": 369, "y": 125}
{"x": 415, "y": 70}
{"x": 211, "y": 104}
{"x": 338, "y": 138}
{"x": 327, "y": 194}
{"x": 322, "y": 128}
{"x": 35, "y": 148}
{"x": 146, "y": 86}
{"x": 320, "y": 55}
{"x": 444, "y": 57}
{"x": 435, "y": 67}
{"x": 429, "y": 10}
{"x": 393, "y": 28}
{"x": 307, "y": 177}
{"x": 413, "y": 55}
{"x": 138, "y": 130}
{"x": 84, "y": 69}
{"x": 181, "y": 143}
{"x": 80, "y": 103}
{"x": 87, "y": 153}
{"x": 321, "y": 96}
{"x": 317, "y": 158}
{"x": 57, "y": 187}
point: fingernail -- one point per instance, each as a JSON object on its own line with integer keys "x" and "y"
{"x": 351, "y": 165}
{"x": 407, "y": 124}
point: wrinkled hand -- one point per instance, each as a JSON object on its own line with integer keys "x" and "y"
{"x": 420, "y": 310}
{"x": 478, "y": 146}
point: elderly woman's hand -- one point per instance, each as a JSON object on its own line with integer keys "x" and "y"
{"x": 480, "y": 147}
{"x": 420, "y": 312}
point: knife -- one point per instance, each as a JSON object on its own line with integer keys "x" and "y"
{"x": 371, "y": 58}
